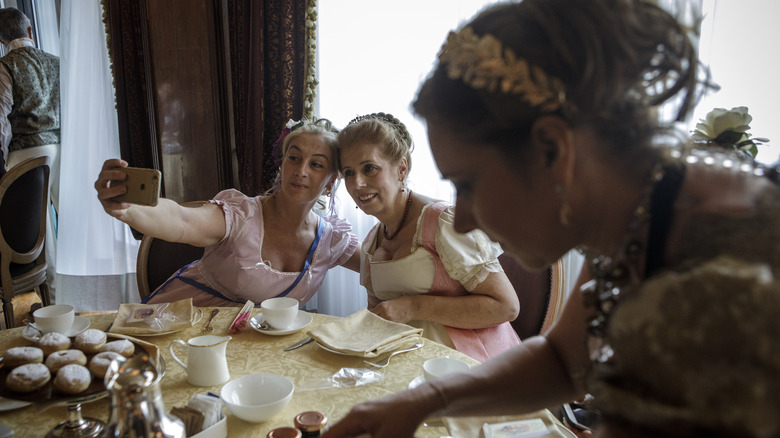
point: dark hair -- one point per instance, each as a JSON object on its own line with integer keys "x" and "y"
{"x": 382, "y": 129}
{"x": 617, "y": 60}
{"x": 13, "y": 24}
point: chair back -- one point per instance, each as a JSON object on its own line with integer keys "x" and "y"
{"x": 24, "y": 200}
{"x": 159, "y": 259}
{"x": 541, "y": 295}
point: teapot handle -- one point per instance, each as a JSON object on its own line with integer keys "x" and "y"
{"x": 175, "y": 358}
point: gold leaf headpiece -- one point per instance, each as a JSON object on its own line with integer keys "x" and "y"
{"x": 481, "y": 63}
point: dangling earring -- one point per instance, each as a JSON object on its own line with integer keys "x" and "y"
{"x": 565, "y": 211}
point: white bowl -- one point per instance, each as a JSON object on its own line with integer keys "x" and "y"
{"x": 257, "y": 397}
{"x": 441, "y": 366}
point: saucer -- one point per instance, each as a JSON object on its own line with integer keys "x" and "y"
{"x": 301, "y": 322}
{"x": 419, "y": 380}
{"x": 6, "y": 404}
{"x": 79, "y": 325}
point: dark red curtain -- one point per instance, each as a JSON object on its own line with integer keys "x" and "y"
{"x": 269, "y": 62}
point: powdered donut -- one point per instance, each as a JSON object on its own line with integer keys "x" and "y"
{"x": 73, "y": 379}
{"x": 13, "y": 357}
{"x": 90, "y": 340}
{"x": 99, "y": 364}
{"x": 121, "y": 346}
{"x": 59, "y": 359}
{"x": 51, "y": 342}
{"x": 28, "y": 377}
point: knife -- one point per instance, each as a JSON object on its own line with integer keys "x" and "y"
{"x": 299, "y": 344}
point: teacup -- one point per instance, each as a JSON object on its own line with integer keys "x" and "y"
{"x": 280, "y": 312}
{"x": 441, "y": 366}
{"x": 55, "y": 318}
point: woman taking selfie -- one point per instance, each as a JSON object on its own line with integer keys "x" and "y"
{"x": 255, "y": 247}
{"x": 544, "y": 115}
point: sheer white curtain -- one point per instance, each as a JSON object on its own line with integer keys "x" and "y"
{"x": 95, "y": 252}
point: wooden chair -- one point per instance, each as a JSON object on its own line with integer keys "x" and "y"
{"x": 24, "y": 202}
{"x": 541, "y": 295}
{"x": 158, "y": 259}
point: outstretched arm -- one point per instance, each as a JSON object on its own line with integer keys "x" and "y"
{"x": 202, "y": 226}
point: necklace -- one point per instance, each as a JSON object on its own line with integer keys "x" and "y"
{"x": 403, "y": 219}
{"x": 612, "y": 274}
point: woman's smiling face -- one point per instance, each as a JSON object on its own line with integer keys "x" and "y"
{"x": 371, "y": 179}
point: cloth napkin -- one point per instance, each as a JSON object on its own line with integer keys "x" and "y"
{"x": 149, "y": 319}
{"x": 471, "y": 427}
{"x": 365, "y": 334}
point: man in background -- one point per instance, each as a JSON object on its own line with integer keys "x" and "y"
{"x": 29, "y": 109}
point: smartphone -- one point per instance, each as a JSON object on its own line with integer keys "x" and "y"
{"x": 143, "y": 186}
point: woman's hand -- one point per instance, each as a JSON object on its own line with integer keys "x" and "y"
{"x": 105, "y": 192}
{"x": 401, "y": 310}
{"x": 394, "y": 416}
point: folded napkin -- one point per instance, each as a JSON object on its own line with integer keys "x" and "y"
{"x": 472, "y": 427}
{"x": 365, "y": 334}
{"x": 149, "y": 319}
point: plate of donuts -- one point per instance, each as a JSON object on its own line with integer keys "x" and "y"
{"x": 58, "y": 369}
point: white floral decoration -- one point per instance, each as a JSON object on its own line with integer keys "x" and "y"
{"x": 728, "y": 129}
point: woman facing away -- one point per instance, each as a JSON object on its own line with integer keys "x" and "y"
{"x": 415, "y": 267}
{"x": 255, "y": 247}
{"x": 544, "y": 115}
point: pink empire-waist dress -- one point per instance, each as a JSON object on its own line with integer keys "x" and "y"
{"x": 234, "y": 267}
{"x": 446, "y": 263}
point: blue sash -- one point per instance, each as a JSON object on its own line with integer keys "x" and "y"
{"x": 211, "y": 291}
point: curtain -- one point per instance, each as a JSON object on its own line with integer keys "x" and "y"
{"x": 95, "y": 252}
{"x": 270, "y": 60}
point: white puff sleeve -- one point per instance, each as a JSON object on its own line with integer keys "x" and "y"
{"x": 469, "y": 257}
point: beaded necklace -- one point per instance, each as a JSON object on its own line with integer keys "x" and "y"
{"x": 612, "y": 274}
{"x": 403, "y": 219}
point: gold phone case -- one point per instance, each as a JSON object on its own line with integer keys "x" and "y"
{"x": 143, "y": 186}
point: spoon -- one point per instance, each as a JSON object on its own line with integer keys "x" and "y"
{"x": 260, "y": 325}
{"x": 208, "y": 327}
{"x": 34, "y": 327}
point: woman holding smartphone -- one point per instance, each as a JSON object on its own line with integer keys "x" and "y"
{"x": 255, "y": 247}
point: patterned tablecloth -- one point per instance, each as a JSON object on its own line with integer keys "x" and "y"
{"x": 247, "y": 353}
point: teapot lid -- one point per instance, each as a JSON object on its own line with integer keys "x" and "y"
{"x": 136, "y": 371}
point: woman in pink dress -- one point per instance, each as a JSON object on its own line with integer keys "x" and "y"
{"x": 255, "y": 247}
{"x": 416, "y": 268}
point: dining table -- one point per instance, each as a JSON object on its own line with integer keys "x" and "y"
{"x": 252, "y": 351}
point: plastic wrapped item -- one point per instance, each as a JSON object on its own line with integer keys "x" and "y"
{"x": 344, "y": 378}
{"x": 149, "y": 319}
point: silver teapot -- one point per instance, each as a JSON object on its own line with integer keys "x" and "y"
{"x": 137, "y": 408}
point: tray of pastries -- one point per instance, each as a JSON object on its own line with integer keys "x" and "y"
{"x": 57, "y": 368}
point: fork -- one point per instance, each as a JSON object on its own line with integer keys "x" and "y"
{"x": 208, "y": 327}
{"x": 386, "y": 361}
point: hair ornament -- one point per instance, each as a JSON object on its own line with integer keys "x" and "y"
{"x": 276, "y": 148}
{"x": 399, "y": 127}
{"x": 481, "y": 63}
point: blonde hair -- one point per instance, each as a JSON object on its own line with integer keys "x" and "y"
{"x": 381, "y": 129}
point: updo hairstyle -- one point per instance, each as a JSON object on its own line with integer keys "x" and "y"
{"x": 616, "y": 59}
{"x": 382, "y": 129}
